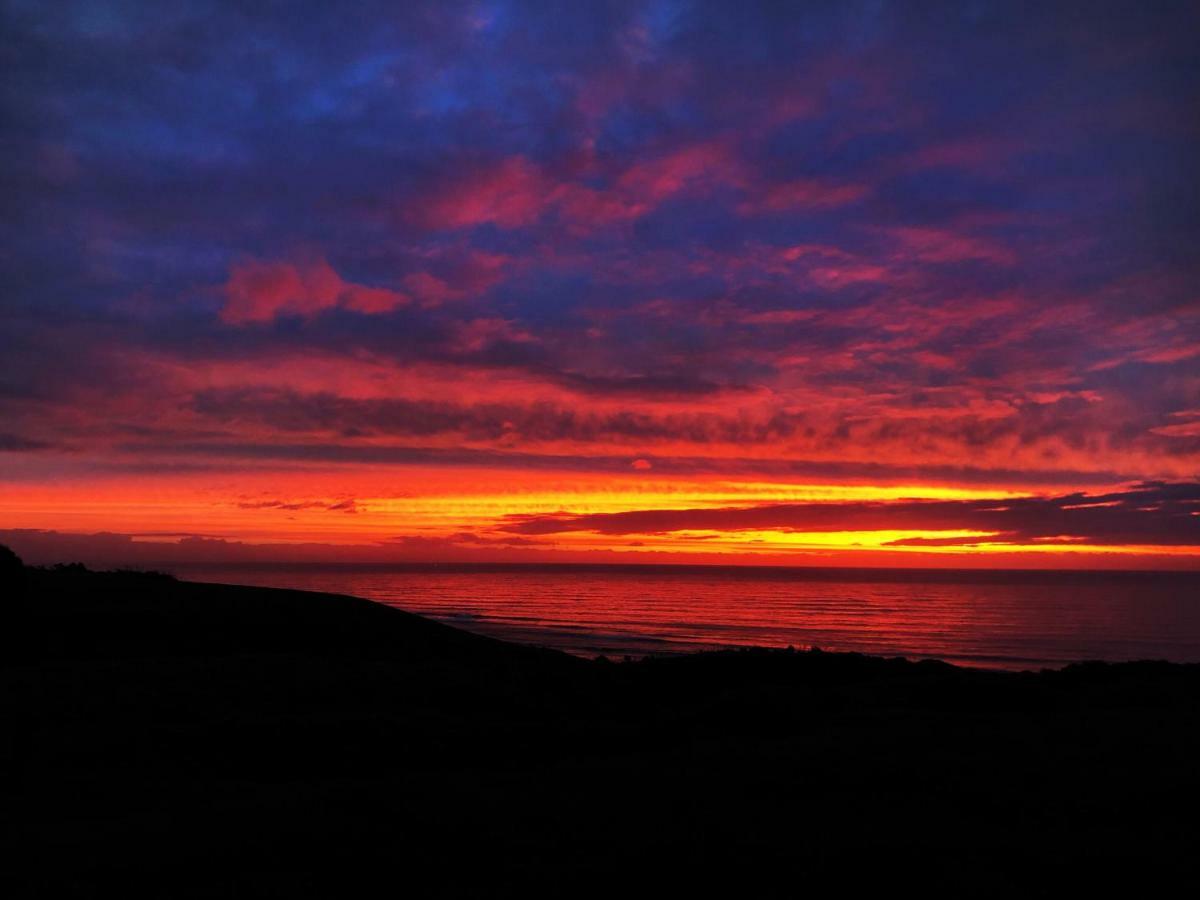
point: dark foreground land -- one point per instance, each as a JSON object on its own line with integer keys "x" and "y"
{"x": 184, "y": 740}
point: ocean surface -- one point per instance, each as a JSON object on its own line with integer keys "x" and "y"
{"x": 1011, "y": 620}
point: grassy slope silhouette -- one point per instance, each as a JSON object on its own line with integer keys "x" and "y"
{"x": 177, "y": 739}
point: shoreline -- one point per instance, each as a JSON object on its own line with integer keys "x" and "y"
{"x": 1014, "y": 623}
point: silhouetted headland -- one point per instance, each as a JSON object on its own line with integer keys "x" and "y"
{"x": 189, "y": 740}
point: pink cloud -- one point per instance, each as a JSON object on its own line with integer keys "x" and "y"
{"x": 1177, "y": 353}
{"x": 456, "y": 276}
{"x": 259, "y": 291}
{"x": 429, "y": 289}
{"x": 663, "y": 177}
{"x": 645, "y": 185}
{"x": 1188, "y": 428}
{"x": 1182, "y": 430}
{"x": 477, "y": 271}
{"x": 371, "y": 300}
{"x": 804, "y": 193}
{"x": 936, "y": 245}
{"x": 779, "y": 317}
{"x": 477, "y": 334}
{"x": 510, "y": 194}
{"x": 514, "y": 192}
{"x": 970, "y": 152}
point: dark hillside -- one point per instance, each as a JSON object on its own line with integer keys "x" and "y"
{"x": 177, "y": 739}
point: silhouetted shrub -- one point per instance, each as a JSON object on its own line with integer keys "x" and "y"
{"x": 14, "y": 586}
{"x": 12, "y": 574}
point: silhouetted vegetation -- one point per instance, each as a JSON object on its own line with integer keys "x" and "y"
{"x": 178, "y": 739}
{"x": 13, "y": 605}
{"x": 12, "y": 573}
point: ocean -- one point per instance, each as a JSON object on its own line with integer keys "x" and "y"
{"x": 997, "y": 619}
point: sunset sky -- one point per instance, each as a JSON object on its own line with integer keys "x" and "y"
{"x": 826, "y": 283}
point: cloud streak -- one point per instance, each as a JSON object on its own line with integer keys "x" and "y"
{"x": 1156, "y": 514}
{"x": 258, "y": 292}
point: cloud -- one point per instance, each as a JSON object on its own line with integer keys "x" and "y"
{"x": 515, "y": 192}
{"x": 801, "y": 194}
{"x": 293, "y": 412}
{"x": 937, "y": 245}
{"x": 736, "y": 238}
{"x": 261, "y": 291}
{"x": 166, "y": 551}
{"x": 13, "y": 443}
{"x": 1147, "y": 514}
{"x": 346, "y": 506}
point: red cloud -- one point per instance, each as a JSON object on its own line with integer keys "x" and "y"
{"x": 645, "y": 185}
{"x": 937, "y": 245}
{"x": 510, "y": 194}
{"x": 458, "y": 276}
{"x": 697, "y": 167}
{"x": 804, "y": 193}
{"x": 260, "y": 291}
{"x": 657, "y": 179}
{"x": 514, "y": 192}
{"x": 476, "y": 334}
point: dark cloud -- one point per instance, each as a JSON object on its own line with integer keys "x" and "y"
{"x": 257, "y": 456}
{"x": 16, "y": 443}
{"x": 1148, "y": 514}
{"x": 288, "y": 411}
{"x": 347, "y": 506}
{"x": 108, "y": 549}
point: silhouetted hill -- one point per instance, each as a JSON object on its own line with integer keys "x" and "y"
{"x": 176, "y": 739}
{"x": 135, "y": 613}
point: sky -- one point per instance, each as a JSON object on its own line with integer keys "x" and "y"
{"x": 845, "y": 283}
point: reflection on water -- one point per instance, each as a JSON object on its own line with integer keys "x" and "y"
{"x": 1009, "y": 620}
